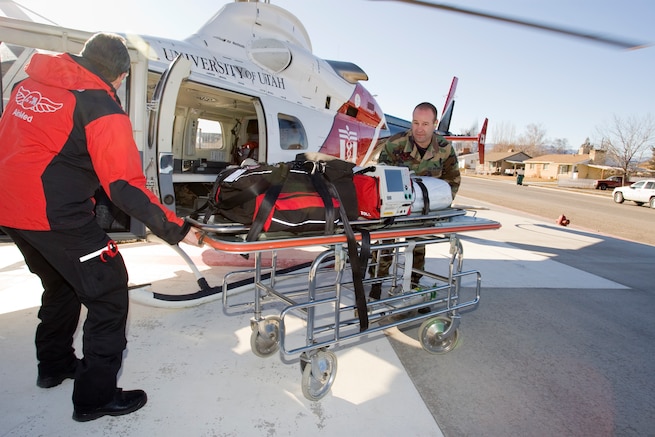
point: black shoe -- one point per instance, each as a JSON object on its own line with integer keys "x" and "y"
{"x": 124, "y": 402}
{"x": 53, "y": 381}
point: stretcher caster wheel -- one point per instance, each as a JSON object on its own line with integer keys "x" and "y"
{"x": 438, "y": 335}
{"x": 318, "y": 375}
{"x": 265, "y": 337}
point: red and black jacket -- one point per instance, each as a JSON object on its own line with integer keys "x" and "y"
{"x": 62, "y": 135}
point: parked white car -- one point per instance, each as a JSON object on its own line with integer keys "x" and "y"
{"x": 640, "y": 192}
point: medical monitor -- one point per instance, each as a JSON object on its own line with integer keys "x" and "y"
{"x": 395, "y": 187}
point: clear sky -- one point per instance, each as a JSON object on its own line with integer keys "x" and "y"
{"x": 513, "y": 75}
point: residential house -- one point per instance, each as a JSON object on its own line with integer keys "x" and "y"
{"x": 506, "y": 163}
{"x": 596, "y": 168}
{"x": 555, "y": 166}
{"x": 588, "y": 164}
{"x": 468, "y": 161}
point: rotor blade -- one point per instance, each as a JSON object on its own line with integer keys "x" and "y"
{"x": 629, "y": 45}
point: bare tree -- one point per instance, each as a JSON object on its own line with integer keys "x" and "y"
{"x": 533, "y": 140}
{"x": 561, "y": 146}
{"x": 651, "y": 164}
{"x": 504, "y": 135}
{"x": 627, "y": 139}
{"x": 471, "y": 131}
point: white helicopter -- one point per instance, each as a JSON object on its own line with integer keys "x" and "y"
{"x": 245, "y": 85}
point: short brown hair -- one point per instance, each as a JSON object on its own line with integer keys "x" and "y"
{"x": 108, "y": 54}
{"x": 428, "y": 105}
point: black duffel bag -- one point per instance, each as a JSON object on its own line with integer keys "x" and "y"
{"x": 296, "y": 196}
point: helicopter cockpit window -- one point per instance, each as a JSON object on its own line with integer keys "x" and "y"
{"x": 292, "y": 133}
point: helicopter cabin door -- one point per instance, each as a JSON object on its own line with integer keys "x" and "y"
{"x": 197, "y": 128}
{"x": 158, "y": 154}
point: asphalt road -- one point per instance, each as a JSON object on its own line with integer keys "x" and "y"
{"x": 565, "y": 346}
{"x": 589, "y": 209}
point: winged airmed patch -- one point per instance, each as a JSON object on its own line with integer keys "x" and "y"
{"x": 35, "y": 102}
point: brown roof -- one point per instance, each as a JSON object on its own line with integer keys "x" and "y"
{"x": 500, "y": 156}
{"x": 560, "y": 159}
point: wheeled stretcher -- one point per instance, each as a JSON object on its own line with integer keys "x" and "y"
{"x": 304, "y": 311}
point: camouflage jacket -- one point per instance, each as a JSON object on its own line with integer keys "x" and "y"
{"x": 440, "y": 159}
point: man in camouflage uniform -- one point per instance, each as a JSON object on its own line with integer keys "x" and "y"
{"x": 425, "y": 153}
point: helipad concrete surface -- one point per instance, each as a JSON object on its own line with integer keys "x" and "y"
{"x": 198, "y": 369}
{"x": 197, "y": 366}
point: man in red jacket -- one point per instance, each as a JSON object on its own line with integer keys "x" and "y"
{"x": 62, "y": 136}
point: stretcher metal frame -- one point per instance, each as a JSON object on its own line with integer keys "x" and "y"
{"x": 328, "y": 310}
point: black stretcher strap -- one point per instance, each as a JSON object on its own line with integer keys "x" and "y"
{"x": 426, "y": 196}
{"x": 358, "y": 258}
{"x": 267, "y": 203}
{"x": 327, "y": 191}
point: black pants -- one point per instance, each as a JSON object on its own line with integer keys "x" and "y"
{"x": 68, "y": 282}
